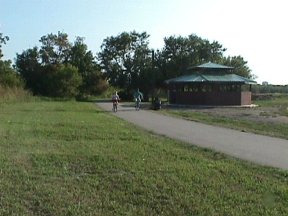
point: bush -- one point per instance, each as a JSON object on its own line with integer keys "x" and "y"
{"x": 8, "y": 77}
{"x": 14, "y": 94}
{"x": 67, "y": 81}
{"x": 58, "y": 81}
{"x": 94, "y": 84}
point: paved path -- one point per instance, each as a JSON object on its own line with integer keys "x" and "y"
{"x": 259, "y": 149}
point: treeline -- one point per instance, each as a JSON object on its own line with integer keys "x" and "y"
{"x": 270, "y": 89}
{"x": 60, "y": 68}
{"x": 129, "y": 63}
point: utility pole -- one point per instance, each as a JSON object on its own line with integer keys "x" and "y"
{"x": 153, "y": 75}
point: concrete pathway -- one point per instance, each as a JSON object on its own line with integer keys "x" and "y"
{"x": 259, "y": 149}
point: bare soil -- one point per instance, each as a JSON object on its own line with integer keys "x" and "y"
{"x": 253, "y": 113}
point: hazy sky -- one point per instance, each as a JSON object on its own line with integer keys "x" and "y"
{"x": 254, "y": 29}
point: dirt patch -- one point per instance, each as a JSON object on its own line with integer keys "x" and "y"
{"x": 256, "y": 114}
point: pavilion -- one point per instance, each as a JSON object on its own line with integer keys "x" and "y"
{"x": 210, "y": 84}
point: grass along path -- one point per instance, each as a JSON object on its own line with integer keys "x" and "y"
{"x": 68, "y": 158}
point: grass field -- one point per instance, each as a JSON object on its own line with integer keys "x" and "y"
{"x": 69, "y": 158}
{"x": 278, "y": 101}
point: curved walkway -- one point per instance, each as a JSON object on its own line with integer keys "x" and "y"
{"x": 259, "y": 149}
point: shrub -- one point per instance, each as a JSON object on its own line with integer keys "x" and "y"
{"x": 8, "y": 77}
{"x": 14, "y": 94}
{"x": 67, "y": 80}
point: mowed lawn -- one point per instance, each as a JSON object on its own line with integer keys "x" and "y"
{"x": 70, "y": 158}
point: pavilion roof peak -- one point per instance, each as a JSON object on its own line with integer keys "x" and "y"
{"x": 209, "y": 65}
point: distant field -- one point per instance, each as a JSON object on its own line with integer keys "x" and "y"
{"x": 69, "y": 158}
{"x": 279, "y": 102}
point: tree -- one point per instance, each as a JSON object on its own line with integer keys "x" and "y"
{"x": 3, "y": 40}
{"x": 80, "y": 57}
{"x": 46, "y": 70}
{"x": 181, "y": 52}
{"x": 240, "y": 66}
{"x": 126, "y": 60}
{"x": 55, "y": 48}
{"x": 29, "y": 67}
{"x": 8, "y": 76}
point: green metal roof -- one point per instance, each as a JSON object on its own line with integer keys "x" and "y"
{"x": 209, "y": 65}
{"x": 211, "y": 72}
{"x": 219, "y": 78}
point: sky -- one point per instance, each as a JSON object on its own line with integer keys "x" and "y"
{"x": 254, "y": 29}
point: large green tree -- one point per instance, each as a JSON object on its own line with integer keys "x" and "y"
{"x": 180, "y": 52}
{"x": 55, "y": 48}
{"x": 93, "y": 80}
{"x": 126, "y": 60}
{"x": 29, "y": 67}
{"x": 240, "y": 66}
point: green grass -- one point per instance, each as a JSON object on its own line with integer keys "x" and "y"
{"x": 280, "y": 102}
{"x": 69, "y": 158}
{"x": 270, "y": 129}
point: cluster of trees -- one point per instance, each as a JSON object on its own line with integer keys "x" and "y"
{"x": 61, "y": 68}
